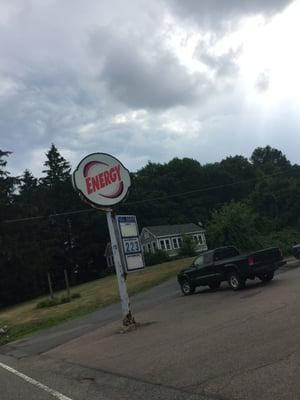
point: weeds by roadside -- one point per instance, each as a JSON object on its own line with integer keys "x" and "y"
{"x": 56, "y": 301}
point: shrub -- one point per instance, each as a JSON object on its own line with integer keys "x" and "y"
{"x": 75, "y": 296}
{"x": 64, "y": 299}
{"x": 56, "y": 301}
{"x": 284, "y": 239}
{"x": 188, "y": 248}
{"x": 48, "y": 303}
{"x": 158, "y": 257}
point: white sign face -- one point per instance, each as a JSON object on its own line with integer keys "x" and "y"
{"x": 102, "y": 180}
{"x": 128, "y": 229}
{"x": 134, "y": 262}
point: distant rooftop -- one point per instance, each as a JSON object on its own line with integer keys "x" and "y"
{"x": 164, "y": 230}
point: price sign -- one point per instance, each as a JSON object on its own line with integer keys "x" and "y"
{"x": 131, "y": 246}
{"x": 129, "y": 235}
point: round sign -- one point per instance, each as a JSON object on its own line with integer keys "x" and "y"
{"x": 102, "y": 180}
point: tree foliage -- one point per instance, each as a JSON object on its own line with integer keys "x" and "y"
{"x": 235, "y": 224}
{"x": 188, "y": 247}
{"x": 248, "y": 203}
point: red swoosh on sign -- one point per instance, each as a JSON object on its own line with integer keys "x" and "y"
{"x": 115, "y": 194}
{"x": 89, "y": 165}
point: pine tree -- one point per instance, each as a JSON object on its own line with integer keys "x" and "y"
{"x": 57, "y": 168}
{"x": 3, "y": 163}
{"x": 29, "y": 196}
{"x": 6, "y": 182}
{"x": 28, "y": 182}
{"x": 57, "y": 182}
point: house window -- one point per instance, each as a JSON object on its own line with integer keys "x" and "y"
{"x": 165, "y": 244}
{"x": 198, "y": 238}
{"x": 144, "y": 248}
{"x": 149, "y": 247}
{"x": 154, "y": 246}
{"x": 162, "y": 244}
{"x": 177, "y": 242}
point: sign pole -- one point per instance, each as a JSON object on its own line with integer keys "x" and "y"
{"x": 128, "y": 319}
{"x": 103, "y": 182}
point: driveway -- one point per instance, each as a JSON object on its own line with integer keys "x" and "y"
{"x": 214, "y": 344}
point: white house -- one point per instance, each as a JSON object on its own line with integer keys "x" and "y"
{"x": 169, "y": 238}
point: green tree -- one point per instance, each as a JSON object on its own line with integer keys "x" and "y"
{"x": 28, "y": 199}
{"x": 56, "y": 185}
{"x": 57, "y": 168}
{"x": 242, "y": 174}
{"x": 234, "y": 224}
{"x": 7, "y": 183}
{"x": 28, "y": 183}
{"x": 269, "y": 160}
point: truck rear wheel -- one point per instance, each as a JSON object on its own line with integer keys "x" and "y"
{"x": 235, "y": 281}
{"x": 187, "y": 288}
{"x": 267, "y": 277}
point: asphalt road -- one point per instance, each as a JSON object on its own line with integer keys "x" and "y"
{"x": 212, "y": 345}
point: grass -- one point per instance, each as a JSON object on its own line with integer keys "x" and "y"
{"x": 26, "y": 318}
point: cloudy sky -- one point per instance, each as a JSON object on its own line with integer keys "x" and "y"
{"x": 148, "y": 80}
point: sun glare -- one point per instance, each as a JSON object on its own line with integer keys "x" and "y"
{"x": 269, "y": 64}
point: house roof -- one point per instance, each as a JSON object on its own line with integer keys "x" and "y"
{"x": 165, "y": 230}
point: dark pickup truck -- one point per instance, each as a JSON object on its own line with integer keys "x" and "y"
{"x": 227, "y": 264}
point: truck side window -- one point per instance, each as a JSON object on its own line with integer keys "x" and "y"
{"x": 207, "y": 258}
{"x": 199, "y": 261}
{"x": 228, "y": 252}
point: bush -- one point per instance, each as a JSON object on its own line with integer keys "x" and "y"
{"x": 188, "y": 248}
{"x": 158, "y": 257}
{"x": 65, "y": 299}
{"x": 284, "y": 239}
{"x": 75, "y": 295}
{"x": 48, "y": 303}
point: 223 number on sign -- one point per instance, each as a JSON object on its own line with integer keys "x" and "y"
{"x": 131, "y": 246}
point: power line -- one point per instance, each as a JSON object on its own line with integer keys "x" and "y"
{"x": 209, "y": 188}
{"x": 165, "y": 197}
{"x": 39, "y": 217}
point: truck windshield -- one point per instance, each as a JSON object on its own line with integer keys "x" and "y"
{"x": 227, "y": 252}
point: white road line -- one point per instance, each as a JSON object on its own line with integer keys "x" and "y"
{"x": 35, "y": 383}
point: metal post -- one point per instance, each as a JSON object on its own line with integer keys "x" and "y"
{"x": 127, "y": 316}
{"x": 50, "y": 285}
{"x": 67, "y": 283}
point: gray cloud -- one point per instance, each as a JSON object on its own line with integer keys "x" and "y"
{"x": 143, "y": 73}
{"x": 214, "y": 14}
{"x": 224, "y": 65}
{"x": 100, "y": 77}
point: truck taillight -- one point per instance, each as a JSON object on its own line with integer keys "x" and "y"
{"x": 250, "y": 261}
